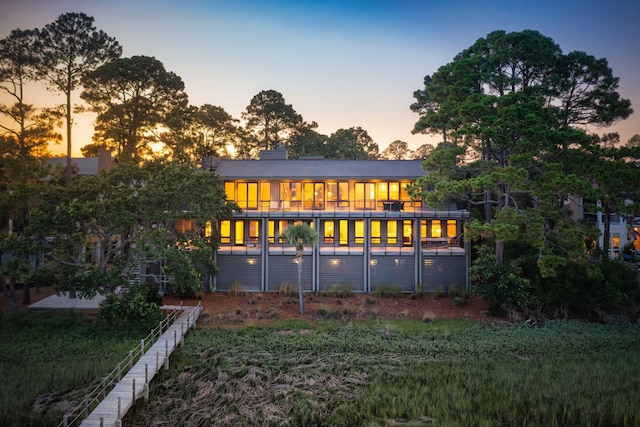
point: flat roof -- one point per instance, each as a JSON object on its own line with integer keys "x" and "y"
{"x": 324, "y": 169}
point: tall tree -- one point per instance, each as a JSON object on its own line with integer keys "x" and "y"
{"x": 131, "y": 97}
{"x": 194, "y": 133}
{"x": 306, "y": 141}
{"x": 397, "y": 150}
{"x": 25, "y": 130}
{"x": 508, "y": 107}
{"x": 271, "y": 118}
{"x": 353, "y": 143}
{"x": 68, "y": 48}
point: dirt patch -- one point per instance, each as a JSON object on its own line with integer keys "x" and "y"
{"x": 258, "y": 308}
{"x": 220, "y": 308}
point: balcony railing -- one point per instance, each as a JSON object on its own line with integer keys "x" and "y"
{"x": 384, "y": 207}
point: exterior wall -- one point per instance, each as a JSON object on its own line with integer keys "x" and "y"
{"x": 371, "y": 233}
{"x": 341, "y": 270}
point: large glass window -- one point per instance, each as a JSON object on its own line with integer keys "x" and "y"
{"x": 265, "y": 194}
{"x": 388, "y": 191}
{"x": 313, "y": 195}
{"x": 291, "y": 194}
{"x": 247, "y": 195}
{"x": 365, "y": 195}
{"x": 337, "y": 194}
{"x": 230, "y": 190}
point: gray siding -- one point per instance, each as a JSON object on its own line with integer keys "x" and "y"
{"x": 440, "y": 272}
{"x": 283, "y": 270}
{"x": 346, "y": 270}
{"x": 237, "y": 268}
{"x": 393, "y": 270}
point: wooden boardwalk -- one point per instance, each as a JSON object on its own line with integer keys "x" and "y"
{"x": 135, "y": 383}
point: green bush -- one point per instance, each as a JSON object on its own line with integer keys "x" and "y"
{"x": 501, "y": 285}
{"x": 136, "y": 307}
{"x": 388, "y": 291}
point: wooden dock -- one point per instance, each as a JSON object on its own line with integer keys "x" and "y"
{"x": 135, "y": 383}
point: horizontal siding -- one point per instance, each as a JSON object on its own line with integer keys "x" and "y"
{"x": 283, "y": 270}
{"x": 245, "y": 270}
{"x": 344, "y": 270}
{"x": 439, "y": 273}
{"x": 393, "y": 271}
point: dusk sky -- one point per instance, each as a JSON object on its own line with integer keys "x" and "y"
{"x": 339, "y": 63}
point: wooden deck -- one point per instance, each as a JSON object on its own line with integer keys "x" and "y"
{"x": 135, "y": 383}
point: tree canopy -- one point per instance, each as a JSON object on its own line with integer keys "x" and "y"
{"x": 131, "y": 97}
{"x": 109, "y": 224}
{"x": 510, "y": 111}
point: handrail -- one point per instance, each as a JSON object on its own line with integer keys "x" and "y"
{"x": 96, "y": 395}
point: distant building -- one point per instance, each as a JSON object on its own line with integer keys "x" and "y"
{"x": 372, "y": 233}
{"x": 86, "y": 166}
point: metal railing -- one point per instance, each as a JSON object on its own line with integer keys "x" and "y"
{"x": 95, "y": 396}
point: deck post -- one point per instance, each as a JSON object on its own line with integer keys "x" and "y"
{"x": 166, "y": 354}
{"x": 101, "y": 421}
{"x": 133, "y": 390}
{"x": 86, "y": 405}
{"x": 118, "y": 370}
{"x": 146, "y": 392}
{"x": 130, "y": 359}
{"x": 146, "y": 373}
{"x": 141, "y": 347}
{"x": 157, "y": 361}
{"x": 65, "y": 420}
{"x": 119, "y": 406}
{"x": 175, "y": 338}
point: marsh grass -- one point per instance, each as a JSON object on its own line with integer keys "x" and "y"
{"x": 47, "y": 360}
{"x": 401, "y": 372}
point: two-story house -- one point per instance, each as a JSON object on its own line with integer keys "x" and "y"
{"x": 371, "y": 232}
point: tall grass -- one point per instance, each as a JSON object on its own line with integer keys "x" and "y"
{"x": 47, "y": 358}
{"x": 379, "y": 373}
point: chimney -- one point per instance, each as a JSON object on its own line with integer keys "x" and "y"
{"x": 279, "y": 153}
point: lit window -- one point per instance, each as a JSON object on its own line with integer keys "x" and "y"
{"x": 225, "y": 231}
{"x": 239, "y": 233}
{"x": 436, "y": 228}
{"x": 452, "y": 228}
{"x": 359, "y": 232}
{"x": 375, "y": 232}
{"x": 329, "y": 232}
{"x": 392, "y": 232}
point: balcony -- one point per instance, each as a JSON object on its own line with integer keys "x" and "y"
{"x": 345, "y": 208}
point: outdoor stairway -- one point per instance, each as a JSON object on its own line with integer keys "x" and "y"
{"x": 135, "y": 383}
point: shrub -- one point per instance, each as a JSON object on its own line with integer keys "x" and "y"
{"x": 236, "y": 290}
{"x": 288, "y": 290}
{"x": 136, "y": 307}
{"x": 501, "y": 285}
{"x": 388, "y": 291}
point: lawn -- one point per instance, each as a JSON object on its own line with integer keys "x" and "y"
{"x": 382, "y": 373}
{"x": 47, "y": 361}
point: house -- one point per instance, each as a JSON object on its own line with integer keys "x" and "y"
{"x": 371, "y": 232}
{"x": 85, "y": 166}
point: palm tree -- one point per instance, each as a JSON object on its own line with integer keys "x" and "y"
{"x": 300, "y": 235}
